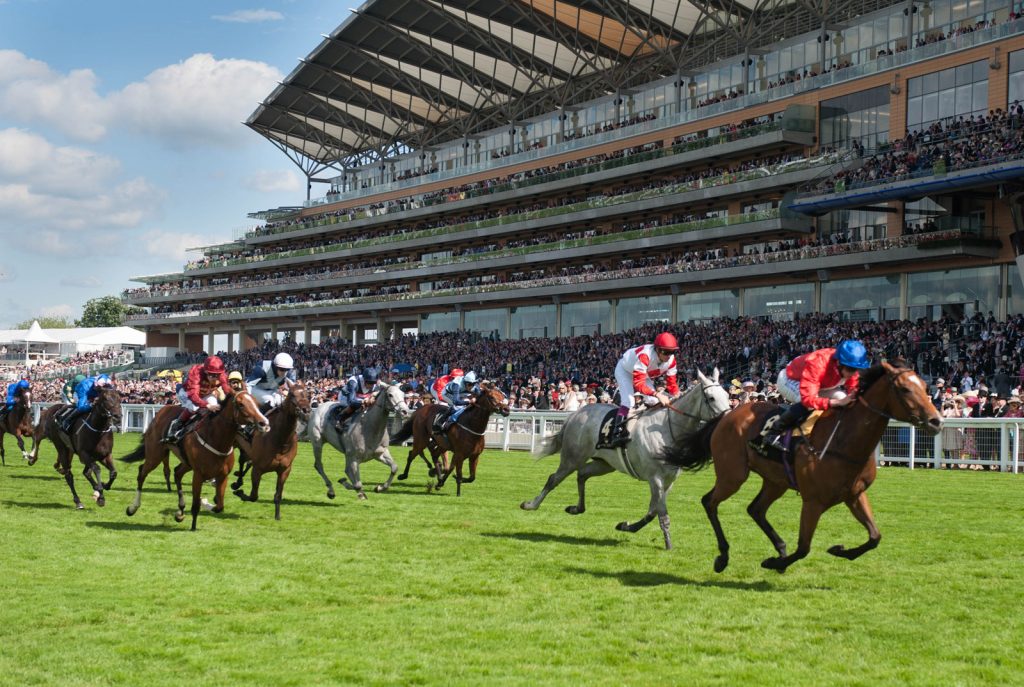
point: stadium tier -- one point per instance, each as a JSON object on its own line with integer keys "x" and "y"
{"x": 547, "y": 169}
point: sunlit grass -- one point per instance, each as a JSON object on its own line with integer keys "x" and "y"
{"x": 418, "y": 588}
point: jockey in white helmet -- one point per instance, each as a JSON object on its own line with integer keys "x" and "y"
{"x": 266, "y": 382}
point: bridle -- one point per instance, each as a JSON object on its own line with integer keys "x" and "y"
{"x": 915, "y": 419}
{"x": 705, "y": 402}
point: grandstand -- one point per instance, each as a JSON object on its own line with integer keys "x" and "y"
{"x": 551, "y": 169}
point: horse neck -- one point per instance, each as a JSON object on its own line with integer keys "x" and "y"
{"x": 475, "y": 417}
{"x": 222, "y": 424}
{"x": 371, "y": 422}
{"x": 283, "y": 426}
{"x": 688, "y": 403}
{"x": 860, "y": 428}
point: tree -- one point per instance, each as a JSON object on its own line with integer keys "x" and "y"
{"x": 107, "y": 311}
{"x": 48, "y": 322}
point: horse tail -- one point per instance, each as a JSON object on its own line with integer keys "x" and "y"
{"x": 693, "y": 452}
{"x": 137, "y": 455}
{"x": 403, "y": 434}
{"x": 549, "y": 445}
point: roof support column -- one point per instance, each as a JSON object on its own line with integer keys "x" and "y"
{"x": 209, "y": 342}
{"x": 181, "y": 339}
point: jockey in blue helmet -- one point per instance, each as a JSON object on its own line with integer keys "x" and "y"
{"x": 86, "y": 392}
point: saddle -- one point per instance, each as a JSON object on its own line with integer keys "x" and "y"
{"x": 339, "y": 423}
{"x": 790, "y": 438}
{"x": 605, "y": 430}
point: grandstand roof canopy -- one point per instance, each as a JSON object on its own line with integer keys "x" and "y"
{"x": 401, "y": 75}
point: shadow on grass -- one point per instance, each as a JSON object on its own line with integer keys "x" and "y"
{"x": 45, "y": 506}
{"x": 285, "y": 501}
{"x": 557, "y": 538}
{"x": 53, "y": 475}
{"x": 121, "y": 526}
{"x": 634, "y": 578}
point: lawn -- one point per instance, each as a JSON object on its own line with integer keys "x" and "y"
{"x": 417, "y": 588}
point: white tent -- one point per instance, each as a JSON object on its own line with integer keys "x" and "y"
{"x": 36, "y": 335}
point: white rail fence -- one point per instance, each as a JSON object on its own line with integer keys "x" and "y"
{"x": 986, "y": 443}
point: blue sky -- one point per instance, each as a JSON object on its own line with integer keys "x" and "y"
{"x": 121, "y": 142}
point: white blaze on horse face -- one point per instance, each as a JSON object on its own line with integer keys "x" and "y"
{"x": 917, "y": 380}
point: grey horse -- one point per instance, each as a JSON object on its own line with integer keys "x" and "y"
{"x": 653, "y": 431}
{"x": 365, "y": 439}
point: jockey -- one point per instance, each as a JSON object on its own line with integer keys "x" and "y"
{"x": 351, "y": 397}
{"x": 12, "y": 393}
{"x": 236, "y": 381}
{"x": 825, "y": 378}
{"x": 441, "y": 382}
{"x": 266, "y": 382}
{"x": 85, "y": 392}
{"x": 67, "y": 392}
{"x": 634, "y": 372}
{"x": 459, "y": 394}
{"x": 198, "y": 393}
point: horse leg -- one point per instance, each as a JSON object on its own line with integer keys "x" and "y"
{"x": 594, "y": 468}
{"x": 144, "y": 471}
{"x": 243, "y": 469}
{"x": 565, "y": 468}
{"x": 282, "y": 477}
{"x": 473, "y": 461}
{"x": 254, "y": 492}
{"x": 64, "y": 458}
{"x": 197, "y": 496}
{"x": 108, "y": 461}
{"x": 458, "y": 477}
{"x": 657, "y": 504}
{"x": 353, "y": 482}
{"x": 3, "y": 455}
{"x": 809, "y": 516}
{"x": 179, "y": 473}
{"x": 758, "y": 510}
{"x": 220, "y": 487}
{"x": 861, "y": 510}
{"x": 385, "y": 457}
{"x": 21, "y": 445}
{"x": 97, "y": 494}
{"x": 415, "y": 451}
{"x": 167, "y": 470}
{"x": 318, "y": 464}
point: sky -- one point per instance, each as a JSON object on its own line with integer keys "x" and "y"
{"x": 121, "y": 137}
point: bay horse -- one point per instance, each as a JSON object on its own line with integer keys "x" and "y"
{"x": 19, "y": 423}
{"x": 91, "y": 438}
{"x": 833, "y": 465}
{"x": 208, "y": 450}
{"x": 465, "y": 438}
{"x": 655, "y": 431}
{"x": 365, "y": 437}
{"x": 275, "y": 450}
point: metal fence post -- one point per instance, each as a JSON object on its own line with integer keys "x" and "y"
{"x": 913, "y": 440}
{"x": 1004, "y": 441}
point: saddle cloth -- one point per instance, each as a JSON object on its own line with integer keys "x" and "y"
{"x": 606, "y": 425}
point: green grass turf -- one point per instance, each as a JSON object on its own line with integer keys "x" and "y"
{"x": 418, "y": 588}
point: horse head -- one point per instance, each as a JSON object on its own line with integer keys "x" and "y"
{"x": 394, "y": 399}
{"x": 108, "y": 405}
{"x": 492, "y": 399}
{"x": 715, "y": 396}
{"x": 298, "y": 401}
{"x": 246, "y": 411}
{"x": 898, "y": 393}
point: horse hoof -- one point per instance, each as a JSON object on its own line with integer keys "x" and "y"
{"x": 179, "y": 517}
{"x": 129, "y": 512}
{"x": 362, "y": 496}
{"x": 236, "y": 486}
{"x": 525, "y": 505}
{"x": 79, "y": 506}
{"x": 402, "y": 478}
{"x": 721, "y": 563}
{"x": 95, "y": 496}
{"x": 573, "y": 510}
{"x": 839, "y": 551}
{"x": 622, "y": 526}
{"x": 238, "y": 493}
{"x": 380, "y": 488}
{"x": 342, "y": 480}
{"x": 773, "y": 564}
{"x": 101, "y": 501}
{"x": 206, "y": 505}
{"x": 330, "y": 494}
{"x": 431, "y": 472}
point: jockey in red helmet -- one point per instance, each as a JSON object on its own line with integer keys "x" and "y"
{"x": 444, "y": 380}
{"x": 819, "y": 380}
{"x": 199, "y": 392}
{"x": 634, "y": 373}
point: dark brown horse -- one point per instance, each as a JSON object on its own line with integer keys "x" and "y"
{"x": 834, "y": 465}
{"x": 275, "y": 450}
{"x": 91, "y": 437}
{"x": 208, "y": 450}
{"x": 19, "y": 423}
{"x": 465, "y": 438}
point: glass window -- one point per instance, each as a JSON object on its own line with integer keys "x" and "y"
{"x": 440, "y": 322}
{"x": 635, "y": 312}
{"x": 533, "y": 321}
{"x": 1016, "y": 77}
{"x": 779, "y": 302}
{"x": 706, "y": 305}
{"x": 956, "y": 92}
{"x": 956, "y": 292}
{"x": 854, "y": 297}
{"x": 584, "y": 319}
{"x": 492, "y": 321}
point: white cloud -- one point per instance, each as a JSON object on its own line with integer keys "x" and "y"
{"x": 81, "y": 282}
{"x": 249, "y": 16}
{"x": 274, "y": 181}
{"x": 173, "y": 246}
{"x": 199, "y": 102}
{"x": 61, "y": 310}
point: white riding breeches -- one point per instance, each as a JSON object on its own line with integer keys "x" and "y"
{"x": 789, "y": 389}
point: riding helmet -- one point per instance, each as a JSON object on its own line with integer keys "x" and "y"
{"x": 457, "y": 372}
{"x": 666, "y": 341}
{"x": 283, "y": 361}
{"x": 852, "y": 353}
{"x": 370, "y": 375}
{"x": 213, "y": 365}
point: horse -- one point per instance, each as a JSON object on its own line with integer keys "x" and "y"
{"x": 91, "y": 437}
{"x": 833, "y": 465}
{"x": 465, "y": 438}
{"x": 208, "y": 450}
{"x": 654, "y": 432}
{"x": 366, "y": 438}
{"x": 19, "y": 423}
{"x": 275, "y": 450}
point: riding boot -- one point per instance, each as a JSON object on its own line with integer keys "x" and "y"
{"x": 343, "y": 416}
{"x": 618, "y": 435}
{"x": 771, "y": 437}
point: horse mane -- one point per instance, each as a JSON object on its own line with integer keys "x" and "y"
{"x": 876, "y": 372}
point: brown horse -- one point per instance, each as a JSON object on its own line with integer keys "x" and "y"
{"x": 834, "y": 465}
{"x": 275, "y": 450}
{"x": 91, "y": 437}
{"x": 19, "y": 423}
{"x": 465, "y": 438}
{"x": 208, "y": 450}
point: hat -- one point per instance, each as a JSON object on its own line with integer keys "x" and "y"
{"x": 1014, "y": 399}
{"x": 940, "y": 381}
{"x": 747, "y": 382}
{"x": 236, "y": 375}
